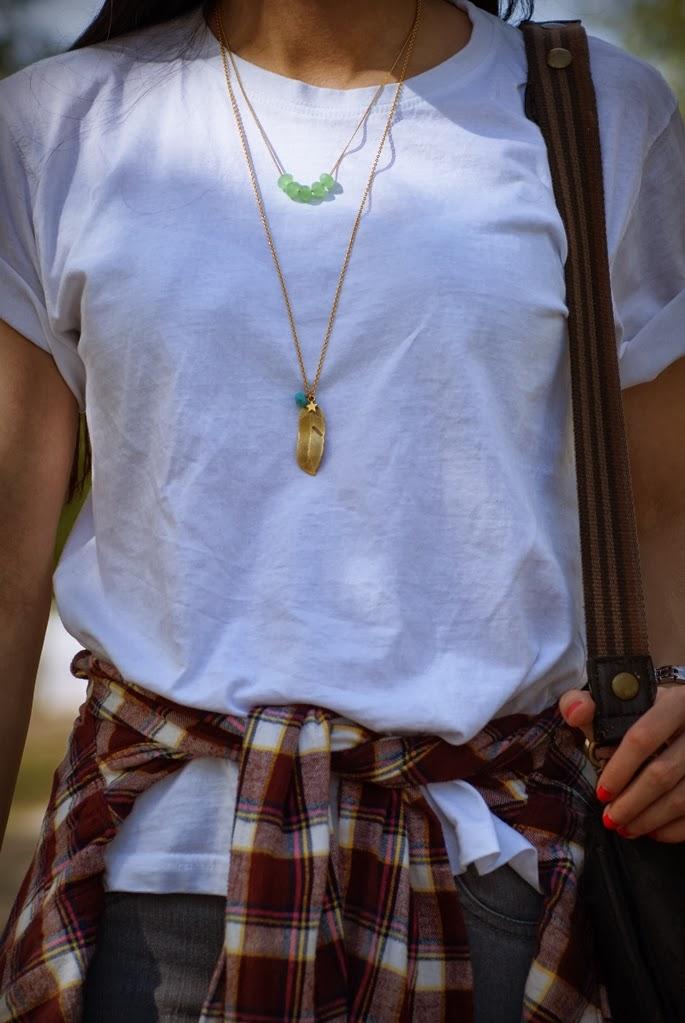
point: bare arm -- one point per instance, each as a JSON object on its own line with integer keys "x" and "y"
{"x": 643, "y": 784}
{"x": 655, "y": 421}
{"x": 38, "y": 424}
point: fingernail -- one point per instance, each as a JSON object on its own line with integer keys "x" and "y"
{"x": 570, "y": 710}
{"x": 603, "y": 794}
{"x": 608, "y": 823}
{"x": 624, "y": 833}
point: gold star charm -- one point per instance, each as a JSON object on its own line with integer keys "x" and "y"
{"x": 311, "y": 406}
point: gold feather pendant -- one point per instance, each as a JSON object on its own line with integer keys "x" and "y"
{"x": 310, "y": 438}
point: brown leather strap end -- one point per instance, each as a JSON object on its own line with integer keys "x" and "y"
{"x": 623, "y": 688}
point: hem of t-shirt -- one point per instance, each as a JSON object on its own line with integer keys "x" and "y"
{"x": 206, "y": 874}
{"x": 525, "y": 863}
{"x": 169, "y": 873}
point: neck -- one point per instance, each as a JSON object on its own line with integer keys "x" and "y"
{"x": 339, "y": 44}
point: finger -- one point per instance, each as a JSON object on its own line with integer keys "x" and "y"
{"x": 659, "y": 816}
{"x": 672, "y": 833}
{"x": 655, "y": 797}
{"x": 642, "y": 740}
{"x": 578, "y": 710}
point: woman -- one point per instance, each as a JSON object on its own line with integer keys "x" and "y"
{"x": 361, "y": 671}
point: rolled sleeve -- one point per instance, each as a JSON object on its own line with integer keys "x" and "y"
{"x": 23, "y": 302}
{"x": 648, "y": 271}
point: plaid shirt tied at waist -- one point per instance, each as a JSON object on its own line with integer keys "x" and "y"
{"x": 362, "y": 922}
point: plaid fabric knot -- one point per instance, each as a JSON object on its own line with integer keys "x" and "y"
{"x": 362, "y": 925}
{"x": 357, "y": 921}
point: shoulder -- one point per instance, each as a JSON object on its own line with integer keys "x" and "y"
{"x": 631, "y": 93}
{"x": 54, "y": 100}
{"x": 46, "y": 97}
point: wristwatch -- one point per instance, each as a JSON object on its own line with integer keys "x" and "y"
{"x": 673, "y": 673}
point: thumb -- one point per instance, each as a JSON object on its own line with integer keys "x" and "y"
{"x": 578, "y": 710}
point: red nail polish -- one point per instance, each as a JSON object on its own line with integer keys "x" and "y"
{"x": 603, "y": 794}
{"x": 608, "y": 823}
{"x": 570, "y": 710}
{"x": 624, "y": 833}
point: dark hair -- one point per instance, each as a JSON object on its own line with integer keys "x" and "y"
{"x": 116, "y": 18}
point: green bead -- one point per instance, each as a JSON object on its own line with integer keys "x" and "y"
{"x": 318, "y": 189}
{"x": 304, "y": 194}
{"x": 292, "y": 188}
{"x": 301, "y": 399}
{"x": 284, "y": 180}
{"x": 327, "y": 181}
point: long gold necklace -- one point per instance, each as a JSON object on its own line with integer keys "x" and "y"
{"x": 326, "y": 183}
{"x": 311, "y": 431}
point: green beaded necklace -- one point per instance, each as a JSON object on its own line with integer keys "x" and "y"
{"x": 311, "y": 431}
{"x": 303, "y": 193}
{"x": 326, "y": 185}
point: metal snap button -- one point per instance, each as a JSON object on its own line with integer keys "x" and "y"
{"x": 559, "y": 56}
{"x": 625, "y": 685}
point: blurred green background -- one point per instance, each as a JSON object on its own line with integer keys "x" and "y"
{"x": 652, "y": 29}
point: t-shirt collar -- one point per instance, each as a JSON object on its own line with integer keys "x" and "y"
{"x": 277, "y": 90}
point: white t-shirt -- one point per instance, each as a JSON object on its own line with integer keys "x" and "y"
{"x": 427, "y": 579}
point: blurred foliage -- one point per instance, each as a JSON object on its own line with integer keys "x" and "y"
{"x": 18, "y": 47}
{"x": 44, "y": 750}
{"x": 67, "y": 519}
{"x": 7, "y": 62}
{"x": 654, "y": 30}
{"x": 71, "y": 510}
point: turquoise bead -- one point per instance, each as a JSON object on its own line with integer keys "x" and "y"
{"x": 301, "y": 399}
{"x": 284, "y": 180}
{"x": 292, "y": 189}
{"x": 318, "y": 189}
{"x": 327, "y": 181}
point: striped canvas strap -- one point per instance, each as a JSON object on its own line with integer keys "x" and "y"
{"x": 560, "y": 98}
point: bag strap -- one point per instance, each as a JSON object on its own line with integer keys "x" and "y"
{"x": 560, "y": 98}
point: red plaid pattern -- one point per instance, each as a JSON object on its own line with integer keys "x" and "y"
{"x": 362, "y": 923}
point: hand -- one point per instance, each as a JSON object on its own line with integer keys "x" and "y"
{"x": 643, "y": 798}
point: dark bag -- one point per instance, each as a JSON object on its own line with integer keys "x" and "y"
{"x": 634, "y": 888}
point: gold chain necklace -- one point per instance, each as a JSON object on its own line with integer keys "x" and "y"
{"x": 326, "y": 182}
{"x": 312, "y": 424}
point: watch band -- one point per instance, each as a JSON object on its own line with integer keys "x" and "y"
{"x": 671, "y": 673}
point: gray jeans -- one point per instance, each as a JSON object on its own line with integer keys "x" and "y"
{"x": 155, "y": 953}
